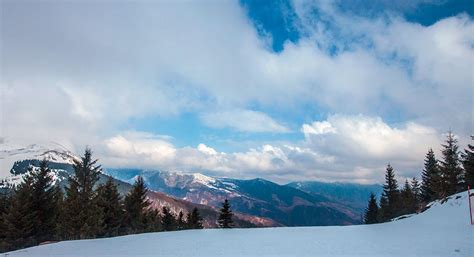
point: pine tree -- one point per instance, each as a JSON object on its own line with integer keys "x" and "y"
{"x": 468, "y": 165}
{"x": 431, "y": 178}
{"x": 181, "y": 224}
{"x": 415, "y": 187}
{"x": 136, "y": 206}
{"x": 225, "y": 215}
{"x": 168, "y": 220}
{"x": 82, "y": 216}
{"x": 5, "y": 201}
{"x": 19, "y": 221}
{"x": 371, "y": 213}
{"x": 408, "y": 202}
{"x": 109, "y": 200}
{"x": 382, "y": 215}
{"x": 390, "y": 196}
{"x": 451, "y": 171}
{"x": 194, "y": 220}
{"x": 45, "y": 204}
{"x": 152, "y": 220}
{"x": 59, "y": 206}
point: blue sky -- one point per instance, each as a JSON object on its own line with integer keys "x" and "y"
{"x": 285, "y": 90}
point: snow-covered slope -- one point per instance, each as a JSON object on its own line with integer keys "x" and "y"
{"x": 12, "y": 154}
{"x": 443, "y": 230}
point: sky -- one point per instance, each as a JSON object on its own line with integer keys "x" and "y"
{"x": 283, "y": 90}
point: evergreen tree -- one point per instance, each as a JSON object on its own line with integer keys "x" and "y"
{"x": 82, "y": 216}
{"x": 168, "y": 220}
{"x": 44, "y": 203}
{"x": 194, "y": 220}
{"x": 181, "y": 224}
{"x": 408, "y": 202}
{"x": 19, "y": 221}
{"x": 5, "y": 202}
{"x": 225, "y": 215}
{"x": 59, "y": 205}
{"x": 136, "y": 207}
{"x": 415, "y": 187}
{"x": 152, "y": 221}
{"x": 468, "y": 165}
{"x": 431, "y": 178}
{"x": 451, "y": 171}
{"x": 382, "y": 216}
{"x": 371, "y": 213}
{"x": 389, "y": 201}
{"x": 109, "y": 200}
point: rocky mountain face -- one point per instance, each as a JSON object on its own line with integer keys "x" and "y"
{"x": 284, "y": 204}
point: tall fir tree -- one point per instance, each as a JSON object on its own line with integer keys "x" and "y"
{"x": 181, "y": 223}
{"x": 168, "y": 220}
{"x": 389, "y": 204}
{"x": 19, "y": 221}
{"x": 109, "y": 200}
{"x": 416, "y": 189}
{"x": 408, "y": 202}
{"x": 5, "y": 201}
{"x": 468, "y": 165}
{"x": 194, "y": 220}
{"x": 430, "y": 178}
{"x": 82, "y": 215}
{"x": 225, "y": 216}
{"x": 371, "y": 213}
{"x": 136, "y": 207}
{"x": 45, "y": 203}
{"x": 152, "y": 220}
{"x": 451, "y": 171}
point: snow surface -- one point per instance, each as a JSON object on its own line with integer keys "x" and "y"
{"x": 51, "y": 151}
{"x": 443, "y": 230}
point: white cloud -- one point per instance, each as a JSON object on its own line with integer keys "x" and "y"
{"x": 367, "y": 143}
{"x": 76, "y": 72}
{"x": 318, "y": 127}
{"x": 358, "y": 152}
{"x": 243, "y": 120}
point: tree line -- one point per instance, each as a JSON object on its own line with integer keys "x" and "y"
{"x": 38, "y": 211}
{"x": 453, "y": 173}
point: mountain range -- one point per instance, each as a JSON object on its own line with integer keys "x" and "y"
{"x": 256, "y": 202}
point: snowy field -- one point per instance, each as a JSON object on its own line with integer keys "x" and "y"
{"x": 443, "y": 230}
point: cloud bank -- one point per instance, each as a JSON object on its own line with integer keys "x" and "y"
{"x": 385, "y": 88}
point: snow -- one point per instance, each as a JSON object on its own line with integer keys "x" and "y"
{"x": 51, "y": 151}
{"x": 443, "y": 230}
{"x": 15, "y": 180}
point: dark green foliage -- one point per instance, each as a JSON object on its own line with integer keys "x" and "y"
{"x": 181, "y": 223}
{"x": 19, "y": 221}
{"x": 32, "y": 215}
{"x": 430, "y": 178}
{"x": 225, "y": 215}
{"x": 109, "y": 201}
{"x": 168, "y": 220}
{"x": 136, "y": 206}
{"x": 416, "y": 189}
{"x": 451, "y": 171}
{"x": 390, "y": 197}
{"x": 82, "y": 215}
{"x": 5, "y": 202}
{"x": 194, "y": 220}
{"x": 44, "y": 198}
{"x": 152, "y": 221}
{"x": 468, "y": 165}
{"x": 408, "y": 200}
{"x": 371, "y": 213}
